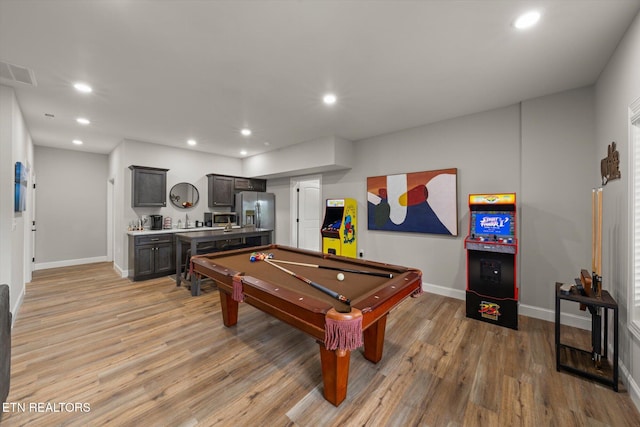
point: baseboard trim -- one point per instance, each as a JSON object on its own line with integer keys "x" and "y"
{"x": 121, "y": 272}
{"x": 444, "y": 291}
{"x": 523, "y": 309}
{"x": 69, "y": 262}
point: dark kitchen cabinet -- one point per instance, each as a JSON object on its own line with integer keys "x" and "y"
{"x": 151, "y": 256}
{"x": 259, "y": 185}
{"x": 242, "y": 184}
{"x": 148, "y": 186}
{"x": 250, "y": 184}
{"x": 220, "y": 190}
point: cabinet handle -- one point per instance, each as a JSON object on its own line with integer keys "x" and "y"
{"x": 154, "y": 240}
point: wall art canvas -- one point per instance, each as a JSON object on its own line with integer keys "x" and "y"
{"x": 421, "y": 202}
{"x": 20, "y": 193}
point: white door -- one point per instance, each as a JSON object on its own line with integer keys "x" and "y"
{"x": 306, "y": 210}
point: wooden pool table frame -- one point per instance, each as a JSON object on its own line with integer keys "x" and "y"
{"x": 308, "y": 314}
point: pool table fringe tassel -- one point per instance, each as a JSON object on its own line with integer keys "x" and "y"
{"x": 343, "y": 334}
{"x": 237, "y": 295}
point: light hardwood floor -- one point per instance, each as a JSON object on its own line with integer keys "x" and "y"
{"x": 149, "y": 354}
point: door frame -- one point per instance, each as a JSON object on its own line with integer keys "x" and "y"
{"x": 295, "y": 209}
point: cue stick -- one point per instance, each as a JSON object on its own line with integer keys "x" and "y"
{"x": 599, "y": 245}
{"x": 593, "y": 231}
{"x": 346, "y": 270}
{"x": 319, "y": 287}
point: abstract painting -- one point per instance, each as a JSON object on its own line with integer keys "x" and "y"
{"x": 421, "y": 202}
{"x": 20, "y": 194}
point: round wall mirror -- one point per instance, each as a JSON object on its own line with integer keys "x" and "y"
{"x": 184, "y": 195}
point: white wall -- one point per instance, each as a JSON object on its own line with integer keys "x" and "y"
{"x": 15, "y": 246}
{"x": 184, "y": 166}
{"x": 617, "y": 87}
{"x": 523, "y": 149}
{"x": 485, "y": 149}
{"x": 281, "y": 187}
{"x": 71, "y": 214}
{"x": 558, "y": 150}
{"x": 320, "y": 155}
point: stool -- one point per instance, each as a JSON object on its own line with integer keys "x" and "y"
{"x": 205, "y": 249}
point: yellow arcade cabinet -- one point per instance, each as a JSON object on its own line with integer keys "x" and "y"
{"x": 339, "y": 227}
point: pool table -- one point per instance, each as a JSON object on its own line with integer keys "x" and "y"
{"x": 337, "y": 326}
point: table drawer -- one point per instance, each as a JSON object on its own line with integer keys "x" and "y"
{"x": 153, "y": 239}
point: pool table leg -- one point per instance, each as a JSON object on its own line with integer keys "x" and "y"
{"x": 195, "y": 285}
{"x": 335, "y": 374}
{"x": 374, "y": 340}
{"x": 229, "y": 308}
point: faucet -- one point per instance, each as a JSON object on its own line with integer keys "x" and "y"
{"x": 186, "y": 221}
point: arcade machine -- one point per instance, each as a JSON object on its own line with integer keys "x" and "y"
{"x": 339, "y": 227}
{"x": 492, "y": 290}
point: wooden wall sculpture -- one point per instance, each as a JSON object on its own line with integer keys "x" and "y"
{"x": 610, "y": 165}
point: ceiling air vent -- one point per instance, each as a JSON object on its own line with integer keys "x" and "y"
{"x": 16, "y": 73}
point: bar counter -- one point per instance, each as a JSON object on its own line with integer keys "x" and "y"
{"x": 194, "y": 239}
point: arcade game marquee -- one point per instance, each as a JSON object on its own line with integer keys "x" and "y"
{"x": 492, "y": 289}
{"x": 339, "y": 227}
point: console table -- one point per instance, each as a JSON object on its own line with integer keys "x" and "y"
{"x": 579, "y": 361}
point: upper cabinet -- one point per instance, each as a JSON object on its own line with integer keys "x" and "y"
{"x": 246, "y": 184}
{"x": 242, "y": 184}
{"x": 220, "y": 190}
{"x": 148, "y": 186}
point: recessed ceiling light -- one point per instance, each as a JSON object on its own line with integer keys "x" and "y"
{"x": 527, "y": 20}
{"x": 329, "y": 99}
{"x": 77, "y": 142}
{"x": 83, "y": 87}
{"x": 243, "y": 153}
{"x": 83, "y": 121}
{"x": 192, "y": 142}
{"x": 246, "y": 132}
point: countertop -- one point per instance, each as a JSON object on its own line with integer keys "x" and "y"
{"x": 178, "y": 230}
{"x": 236, "y": 232}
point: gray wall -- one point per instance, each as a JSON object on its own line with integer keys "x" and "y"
{"x": 617, "y": 87}
{"x": 483, "y": 147}
{"x": 71, "y": 211}
{"x": 15, "y": 231}
{"x": 530, "y": 149}
{"x": 527, "y": 149}
{"x": 184, "y": 166}
{"x": 546, "y": 150}
{"x": 558, "y": 151}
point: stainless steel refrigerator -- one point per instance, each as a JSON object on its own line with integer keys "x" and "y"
{"x": 256, "y": 208}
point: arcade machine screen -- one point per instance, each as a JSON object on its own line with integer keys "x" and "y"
{"x": 492, "y": 223}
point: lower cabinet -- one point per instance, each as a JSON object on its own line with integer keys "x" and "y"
{"x": 151, "y": 256}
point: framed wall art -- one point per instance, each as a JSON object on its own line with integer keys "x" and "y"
{"x": 20, "y": 193}
{"x": 421, "y": 202}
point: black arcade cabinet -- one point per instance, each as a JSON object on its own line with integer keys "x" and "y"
{"x": 492, "y": 246}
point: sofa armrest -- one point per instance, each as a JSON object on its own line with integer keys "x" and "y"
{"x": 5, "y": 342}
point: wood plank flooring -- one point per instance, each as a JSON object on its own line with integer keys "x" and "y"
{"x": 148, "y": 354}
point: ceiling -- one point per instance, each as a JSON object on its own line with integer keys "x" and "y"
{"x": 165, "y": 72}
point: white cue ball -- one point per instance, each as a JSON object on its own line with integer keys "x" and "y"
{"x": 340, "y": 277}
